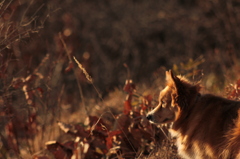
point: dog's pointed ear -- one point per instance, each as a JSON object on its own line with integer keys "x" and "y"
{"x": 172, "y": 80}
{"x": 179, "y": 93}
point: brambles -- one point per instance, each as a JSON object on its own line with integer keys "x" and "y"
{"x": 129, "y": 136}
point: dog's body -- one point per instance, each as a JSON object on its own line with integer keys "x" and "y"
{"x": 205, "y": 126}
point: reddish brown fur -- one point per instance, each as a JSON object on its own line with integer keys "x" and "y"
{"x": 204, "y": 125}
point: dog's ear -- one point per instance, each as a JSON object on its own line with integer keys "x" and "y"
{"x": 172, "y": 80}
{"x": 180, "y": 92}
{"x": 183, "y": 91}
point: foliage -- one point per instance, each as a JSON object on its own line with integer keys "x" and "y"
{"x": 130, "y": 136}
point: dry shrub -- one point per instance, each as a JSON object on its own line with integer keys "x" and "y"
{"x": 130, "y": 135}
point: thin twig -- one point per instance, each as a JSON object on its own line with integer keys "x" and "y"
{"x": 5, "y": 7}
{"x": 75, "y": 73}
{"x": 65, "y": 47}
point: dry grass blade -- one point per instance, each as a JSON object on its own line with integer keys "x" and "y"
{"x": 89, "y": 78}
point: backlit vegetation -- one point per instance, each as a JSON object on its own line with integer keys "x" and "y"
{"x": 78, "y": 77}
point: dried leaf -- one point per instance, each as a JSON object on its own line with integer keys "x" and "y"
{"x": 127, "y": 107}
{"x": 96, "y": 124}
{"x": 69, "y": 67}
{"x": 65, "y": 127}
{"x": 58, "y": 150}
{"x": 129, "y": 86}
{"x": 69, "y": 145}
{"x": 81, "y": 132}
{"x": 40, "y": 90}
{"x": 110, "y": 138}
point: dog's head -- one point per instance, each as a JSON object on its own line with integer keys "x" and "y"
{"x": 176, "y": 97}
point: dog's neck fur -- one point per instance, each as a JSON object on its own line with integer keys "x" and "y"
{"x": 185, "y": 96}
{"x": 185, "y": 112}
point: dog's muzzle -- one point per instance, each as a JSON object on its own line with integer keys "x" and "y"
{"x": 150, "y": 117}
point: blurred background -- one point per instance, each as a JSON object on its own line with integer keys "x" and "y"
{"x": 103, "y": 35}
{"x": 114, "y": 41}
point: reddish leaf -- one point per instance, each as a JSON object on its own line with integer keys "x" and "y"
{"x": 129, "y": 86}
{"x": 95, "y": 120}
{"x": 69, "y": 68}
{"x": 58, "y": 150}
{"x": 69, "y": 145}
{"x": 97, "y": 124}
{"x": 55, "y": 148}
{"x": 40, "y": 90}
{"x": 81, "y": 131}
{"x": 127, "y": 107}
{"x": 75, "y": 130}
{"x": 110, "y": 138}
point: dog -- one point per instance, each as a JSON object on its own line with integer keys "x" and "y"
{"x": 204, "y": 126}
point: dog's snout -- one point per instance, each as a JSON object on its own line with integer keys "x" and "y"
{"x": 150, "y": 117}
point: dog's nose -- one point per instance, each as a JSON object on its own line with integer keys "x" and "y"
{"x": 150, "y": 117}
